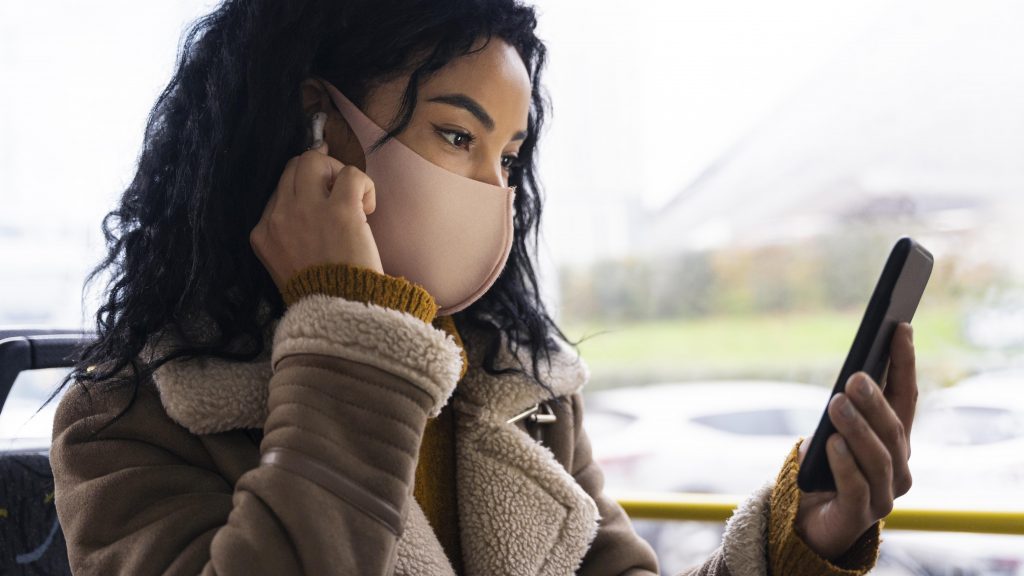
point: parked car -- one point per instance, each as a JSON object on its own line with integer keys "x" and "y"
{"x": 729, "y": 437}
{"x": 968, "y": 442}
{"x": 725, "y": 437}
{"x": 722, "y": 437}
{"x": 968, "y": 452}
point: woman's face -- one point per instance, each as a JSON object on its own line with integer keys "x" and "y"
{"x": 470, "y": 116}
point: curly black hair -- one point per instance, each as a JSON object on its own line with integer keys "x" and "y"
{"x": 218, "y": 138}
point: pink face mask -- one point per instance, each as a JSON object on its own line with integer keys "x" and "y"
{"x": 446, "y": 232}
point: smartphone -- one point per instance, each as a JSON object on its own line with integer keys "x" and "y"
{"x": 894, "y": 300}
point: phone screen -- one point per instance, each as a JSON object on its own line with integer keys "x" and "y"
{"x": 894, "y": 300}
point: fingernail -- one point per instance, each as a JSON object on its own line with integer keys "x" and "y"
{"x": 841, "y": 446}
{"x": 863, "y": 387}
{"x": 851, "y": 382}
{"x": 845, "y": 407}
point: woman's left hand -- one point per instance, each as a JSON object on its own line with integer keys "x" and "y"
{"x": 868, "y": 456}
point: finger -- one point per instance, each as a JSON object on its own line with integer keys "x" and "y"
{"x": 868, "y": 450}
{"x": 853, "y": 493}
{"x": 286, "y": 183}
{"x": 335, "y": 168}
{"x": 271, "y": 205}
{"x": 370, "y": 198}
{"x": 353, "y": 188}
{"x": 313, "y": 175}
{"x": 335, "y": 164}
{"x": 882, "y": 419}
{"x": 259, "y": 232}
{"x": 902, "y": 389}
{"x": 258, "y": 239}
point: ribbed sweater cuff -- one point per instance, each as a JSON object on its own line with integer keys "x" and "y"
{"x": 789, "y": 554}
{"x": 361, "y": 285}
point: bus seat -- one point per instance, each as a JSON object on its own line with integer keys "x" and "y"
{"x": 31, "y": 541}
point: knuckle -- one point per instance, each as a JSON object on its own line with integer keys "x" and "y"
{"x": 885, "y": 463}
{"x": 883, "y": 508}
{"x": 904, "y": 483}
{"x": 306, "y": 161}
{"x": 351, "y": 174}
{"x": 899, "y": 430}
{"x": 277, "y": 222}
{"x": 896, "y": 439}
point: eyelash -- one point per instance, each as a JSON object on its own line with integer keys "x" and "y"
{"x": 469, "y": 139}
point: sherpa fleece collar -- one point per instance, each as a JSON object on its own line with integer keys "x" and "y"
{"x": 520, "y": 511}
{"x": 211, "y": 395}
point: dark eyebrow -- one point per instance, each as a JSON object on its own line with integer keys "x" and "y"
{"x": 474, "y": 108}
{"x": 467, "y": 103}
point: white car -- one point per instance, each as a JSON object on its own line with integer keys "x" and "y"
{"x": 726, "y": 437}
{"x": 968, "y": 443}
{"x": 731, "y": 436}
{"x": 968, "y": 452}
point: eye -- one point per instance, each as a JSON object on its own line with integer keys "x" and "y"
{"x": 455, "y": 137}
{"x": 510, "y": 161}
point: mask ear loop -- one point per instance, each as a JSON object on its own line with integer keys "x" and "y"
{"x": 317, "y": 123}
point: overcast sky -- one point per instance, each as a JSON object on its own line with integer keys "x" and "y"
{"x": 646, "y": 94}
{"x": 668, "y": 85}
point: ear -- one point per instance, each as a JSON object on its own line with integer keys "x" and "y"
{"x": 341, "y": 142}
{"x": 314, "y": 96}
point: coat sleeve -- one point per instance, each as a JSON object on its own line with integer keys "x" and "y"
{"x": 352, "y": 388}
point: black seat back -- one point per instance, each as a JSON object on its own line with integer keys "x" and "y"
{"x": 31, "y": 540}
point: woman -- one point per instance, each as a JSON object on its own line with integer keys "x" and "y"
{"x": 308, "y": 361}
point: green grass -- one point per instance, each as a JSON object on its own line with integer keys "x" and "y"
{"x": 795, "y": 346}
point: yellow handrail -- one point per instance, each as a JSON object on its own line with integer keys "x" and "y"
{"x": 718, "y": 508}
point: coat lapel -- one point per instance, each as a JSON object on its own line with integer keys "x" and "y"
{"x": 520, "y": 511}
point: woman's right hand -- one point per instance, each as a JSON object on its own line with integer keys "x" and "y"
{"x": 316, "y": 215}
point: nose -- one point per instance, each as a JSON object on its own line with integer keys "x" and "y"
{"x": 490, "y": 173}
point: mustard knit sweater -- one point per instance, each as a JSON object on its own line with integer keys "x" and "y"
{"x": 435, "y": 490}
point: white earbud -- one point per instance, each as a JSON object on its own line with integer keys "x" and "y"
{"x": 318, "y": 122}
